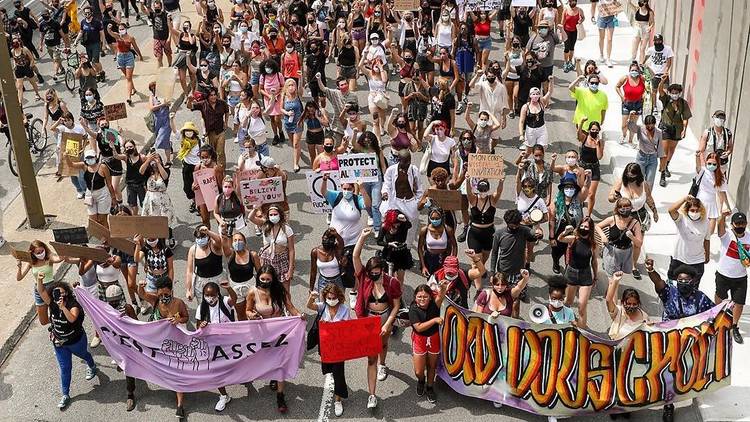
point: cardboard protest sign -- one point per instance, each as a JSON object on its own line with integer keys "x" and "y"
{"x": 147, "y": 226}
{"x": 522, "y": 3}
{"x": 351, "y": 339}
{"x": 21, "y": 255}
{"x": 484, "y": 5}
{"x": 74, "y": 235}
{"x": 405, "y": 5}
{"x": 115, "y": 111}
{"x": 76, "y": 251}
{"x": 486, "y": 166}
{"x": 102, "y": 233}
{"x": 72, "y": 147}
{"x": 560, "y": 370}
{"x": 447, "y": 199}
{"x": 356, "y": 168}
{"x": 208, "y": 188}
{"x": 257, "y": 192}
{"x": 315, "y": 187}
{"x": 165, "y": 84}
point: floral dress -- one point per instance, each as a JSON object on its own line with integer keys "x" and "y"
{"x": 157, "y": 201}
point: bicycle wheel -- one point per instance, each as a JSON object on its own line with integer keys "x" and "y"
{"x": 70, "y": 80}
{"x": 12, "y": 164}
{"x": 38, "y": 138}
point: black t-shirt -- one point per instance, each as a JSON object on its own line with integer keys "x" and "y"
{"x": 521, "y": 25}
{"x": 160, "y": 25}
{"x": 511, "y": 249}
{"x": 417, "y": 314}
{"x": 91, "y": 31}
{"x": 51, "y": 31}
{"x": 299, "y": 9}
{"x": 442, "y": 110}
{"x": 171, "y": 5}
{"x": 64, "y": 331}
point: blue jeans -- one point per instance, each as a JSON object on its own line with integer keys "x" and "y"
{"x": 649, "y": 163}
{"x": 262, "y": 150}
{"x": 79, "y": 183}
{"x": 64, "y": 356}
{"x": 373, "y": 189}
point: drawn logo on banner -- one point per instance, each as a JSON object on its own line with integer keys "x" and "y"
{"x": 565, "y": 371}
{"x": 195, "y": 352}
{"x": 314, "y": 189}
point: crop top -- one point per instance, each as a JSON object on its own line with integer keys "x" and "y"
{"x": 240, "y": 273}
{"x": 208, "y": 266}
{"x": 439, "y": 243}
{"x": 484, "y": 216}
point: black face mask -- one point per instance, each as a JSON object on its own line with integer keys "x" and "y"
{"x": 685, "y": 289}
{"x": 739, "y": 230}
{"x": 491, "y": 79}
{"x": 409, "y": 60}
{"x": 328, "y": 243}
{"x": 375, "y": 277}
{"x": 165, "y": 299}
{"x": 658, "y": 46}
{"x": 328, "y": 148}
{"x": 583, "y": 232}
{"x": 263, "y": 285}
{"x": 624, "y": 212}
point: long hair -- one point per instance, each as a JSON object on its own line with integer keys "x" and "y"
{"x": 628, "y": 293}
{"x": 277, "y": 290}
{"x": 204, "y": 307}
{"x": 718, "y": 174}
{"x": 268, "y": 225}
{"x": 38, "y": 244}
{"x": 590, "y": 237}
{"x": 632, "y": 173}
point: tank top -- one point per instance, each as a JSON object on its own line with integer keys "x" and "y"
{"x": 641, "y": 18}
{"x": 439, "y": 243}
{"x": 515, "y": 61}
{"x": 54, "y": 115}
{"x": 290, "y": 64}
{"x": 637, "y": 202}
{"x": 347, "y": 56}
{"x": 446, "y": 73}
{"x": 107, "y": 274}
{"x": 483, "y": 216}
{"x": 229, "y": 207}
{"x": 618, "y": 238}
{"x": 266, "y": 311}
{"x": 240, "y": 273}
{"x": 328, "y": 165}
{"x": 133, "y": 176}
{"x": 588, "y": 155}
{"x": 208, "y": 266}
{"x": 484, "y": 298}
{"x": 444, "y": 36}
{"x": 92, "y": 181}
{"x": 21, "y": 59}
{"x": 376, "y": 85}
{"x": 580, "y": 254}
{"x": 358, "y": 22}
{"x": 571, "y": 22}
{"x": 43, "y": 269}
{"x": 124, "y": 46}
{"x": 633, "y": 93}
{"x": 400, "y": 141}
{"x": 534, "y": 120}
{"x": 482, "y": 29}
{"x": 407, "y": 71}
{"x": 329, "y": 269}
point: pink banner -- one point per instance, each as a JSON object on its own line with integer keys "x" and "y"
{"x": 215, "y": 356}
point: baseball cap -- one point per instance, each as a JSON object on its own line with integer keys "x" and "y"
{"x": 266, "y": 161}
{"x": 739, "y": 218}
{"x": 89, "y": 153}
{"x": 659, "y": 37}
{"x": 114, "y": 293}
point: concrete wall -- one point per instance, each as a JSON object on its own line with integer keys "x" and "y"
{"x": 710, "y": 40}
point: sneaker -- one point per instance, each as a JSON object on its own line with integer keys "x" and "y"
{"x": 257, "y": 231}
{"x": 736, "y": 335}
{"x": 193, "y": 208}
{"x": 275, "y": 140}
{"x": 370, "y": 221}
{"x": 551, "y": 419}
{"x": 80, "y": 195}
{"x": 621, "y": 141}
{"x": 497, "y": 404}
{"x": 556, "y": 268}
{"x": 609, "y": 63}
{"x": 64, "y": 402}
{"x": 431, "y": 397}
{"x": 667, "y": 172}
{"x": 461, "y": 107}
{"x": 145, "y": 308}
{"x": 281, "y": 403}
{"x": 382, "y": 372}
{"x": 338, "y": 408}
{"x": 352, "y": 299}
{"x": 91, "y": 373}
{"x": 222, "y": 403}
{"x": 602, "y": 59}
{"x": 522, "y": 146}
{"x": 2, "y": 241}
{"x": 180, "y": 412}
{"x": 171, "y": 243}
{"x": 39, "y": 78}
{"x": 663, "y": 180}
{"x": 130, "y": 404}
{"x": 420, "y": 388}
{"x": 273, "y": 385}
{"x": 512, "y": 115}
{"x": 462, "y": 236}
{"x": 636, "y": 274}
{"x": 668, "y": 415}
{"x": 372, "y": 402}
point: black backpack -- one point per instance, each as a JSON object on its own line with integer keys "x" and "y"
{"x": 340, "y": 196}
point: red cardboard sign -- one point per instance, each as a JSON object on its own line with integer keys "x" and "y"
{"x": 352, "y": 339}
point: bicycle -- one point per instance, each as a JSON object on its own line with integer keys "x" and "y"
{"x": 71, "y": 60}
{"x": 36, "y": 136}
{"x": 648, "y": 76}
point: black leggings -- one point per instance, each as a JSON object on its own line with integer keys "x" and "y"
{"x": 126, "y": 8}
{"x": 130, "y": 386}
{"x": 339, "y": 380}
{"x": 187, "y": 180}
{"x": 570, "y": 42}
{"x": 558, "y": 251}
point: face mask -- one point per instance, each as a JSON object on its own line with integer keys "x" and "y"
{"x": 491, "y": 79}
{"x": 594, "y": 87}
{"x": 436, "y": 222}
{"x": 152, "y": 243}
{"x": 274, "y": 219}
{"x": 711, "y": 167}
{"x": 123, "y": 32}
{"x": 165, "y": 299}
{"x": 543, "y": 32}
{"x": 482, "y": 123}
{"x": 674, "y": 97}
{"x": 409, "y": 60}
{"x": 571, "y": 161}
{"x": 685, "y": 288}
{"x": 328, "y": 243}
{"x": 204, "y": 68}
{"x": 375, "y": 276}
{"x": 630, "y": 309}
{"x": 583, "y": 232}
{"x": 290, "y": 49}
{"x": 624, "y": 212}
{"x": 569, "y": 192}
{"x": 594, "y": 134}
{"x": 556, "y": 303}
{"x": 202, "y": 242}
{"x": 719, "y": 122}
{"x": 332, "y": 302}
{"x": 90, "y": 98}
{"x": 90, "y": 161}
{"x": 269, "y": 70}
{"x": 212, "y": 300}
{"x": 243, "y": 29}
{"x": 739, "y": 230}
{"x": 342, "y": 25}
{"x": 40, "y": 255}
{"x": 658, "y": 46}
{"x": 695, "y": 216}
{"x": 264, "y": 285}
{"x": 206, "y": 162}
{"x": 634, "y": 73}
{"x": 466, "y": 143}
{"x": 328, "y": 148}
{"x": 348, "y": 194}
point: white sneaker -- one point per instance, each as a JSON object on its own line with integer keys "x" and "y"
{"x": 95, "y": 342}
{"x": 222, "y": 403}
{"x": 352, "y": 299}
{"x": 609, "y": 62}
{"x": 145, "y": 308}
{"x": 382, "y": 373}
{"x": 372, "y": 402}
{"x": 497, "y": 404}
{"x": 80, "y": 195}
{"x": 113, "y": 363}
{"x": 338, "y": 408}
{"x": 551, "y": 419}
{"x": 602, "y": 59}
{"x": 369, "y": 221}
{"x": 91, "y": 373}
{"x": 2, "y": 241}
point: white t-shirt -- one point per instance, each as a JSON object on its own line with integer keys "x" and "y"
{"x": 729, "y": 262}
{"x": 492, "y": 100}
{"x": 215, "y": 312}
{"x": 347, "y": 220}
{"x": 77, "y": 129}
{"x": 281, "y": 237}
{"x": 257, "y": 130}
{"x": 441, "y": 150}
{"x": 689, "y": 246}
{"x": 523, "y": 203}
{"x": 659, "y": 58}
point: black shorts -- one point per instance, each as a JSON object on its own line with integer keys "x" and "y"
{"x": 315, "y": 91}
{"x": 480, "y": 239}
{"x": 737, "y": 286}
{"x": 674, "y": 264}
{"x": 547, "y": 72}
{"x": 136, "y": 194}
{"x": 315, "y": 138}
{"x": 22, "y": 72}
{"x": 578, "y": 277}
{"x": 348, "y": 72}
{"x": 570, "y": 42}
{"x": 596, "y": 172}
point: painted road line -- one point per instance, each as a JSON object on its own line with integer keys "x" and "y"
{"x": 327, "y": 399}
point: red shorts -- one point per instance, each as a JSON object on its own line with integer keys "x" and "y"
{"x": 421, "y": 345}
{"x": 161, "y": 47}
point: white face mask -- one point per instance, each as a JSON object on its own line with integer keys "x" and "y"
{"x": 569, "y": 192}
{"x": 556, "y": 303}
{"x": 571, "y": 161}
{"x": 451, "y": 277}
{"x": 40, "y": 255}
{"x": 332, "y": 302}
{"x": 212, "y": 300}
{"x": 123, "y": 32}
{"x": 482, "y": 123}
{"x": 719, "y": 122}
{"x": 152, "y": 243}
{"x": 674, "y": 97}
{"x": 274, "y": 218}
{"x": 695, "y": 216}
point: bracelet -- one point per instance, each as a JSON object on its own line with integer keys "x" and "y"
{"x": 650, "y": 271}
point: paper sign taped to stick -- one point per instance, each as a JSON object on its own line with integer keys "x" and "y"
{"x": 257, "y": 192}
{"x": 165, "y": 84}
{"x": 486, "y": 166}
{"x": 356, "y": 168}
{"x": 147, "y": 226}
{"x": 76, "y": 251}
{"x": 21, "y": 255}
{"x": 351, "y": 339}
{"x": 315, "y": 188}
{"x": 72, "y": 144}
{"x": 405, "y": 5}
{"x": 74, "y": 235}
{"x": 102, "y": 233}
{"x": 115, "y": 111}
{"x": 208, "y": 189}
{"x": 447, "y": 199}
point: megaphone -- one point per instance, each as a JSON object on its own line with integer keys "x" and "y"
{"x": 539, "y": 313}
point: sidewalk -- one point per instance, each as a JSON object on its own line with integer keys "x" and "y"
{"x": 659, "y": 241}
{"x": 58, "y": 198}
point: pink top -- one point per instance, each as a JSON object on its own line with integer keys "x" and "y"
{"x": 332, "y": 164}
{"x": 273, "y": 84}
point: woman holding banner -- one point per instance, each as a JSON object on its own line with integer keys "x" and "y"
{"x": 332, "y": 309}
{"x": 42, "y": 261}
{"x": 204, "y": 263}
{"x": 270, "y": 299}
{"x": 424, "y": 316}
{"x": 378, "y": 294}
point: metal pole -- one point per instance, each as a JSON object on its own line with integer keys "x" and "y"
{"x": 14, "y": 113}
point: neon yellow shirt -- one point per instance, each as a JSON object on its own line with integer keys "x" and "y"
{"x": 589, "y": 105}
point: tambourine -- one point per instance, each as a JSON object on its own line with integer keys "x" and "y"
{"x": 536, "y": 215}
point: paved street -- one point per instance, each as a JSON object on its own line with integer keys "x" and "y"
{"x": 29, "y": 381}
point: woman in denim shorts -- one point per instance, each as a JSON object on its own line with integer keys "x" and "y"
{"x": 127, "y": 47}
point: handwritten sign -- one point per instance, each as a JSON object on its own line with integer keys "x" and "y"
{"x": 208, "y": 189}
{"x": 447, "y": 199}
{"x": 483, "y": 5}
{"x": 257, "y": 192}
{"x": 21, "y": 255}
{"x": 76, "y": 251}
{"x": 147, "y": 226}
{"x": 102, "y": 233}
{"x": 486, "y": 166}
{"x": 405, "y": 5}
{"x": 72, "y": 147}
{"x": 115, "y": 111}
{"x": 356, "y": 168}
{"x": 315, "y": 187}
{"x": 352, "y": 339}
{"x": 75, "y": 235}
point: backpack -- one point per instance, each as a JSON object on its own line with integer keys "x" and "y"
{"x": 340, "y": 196}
